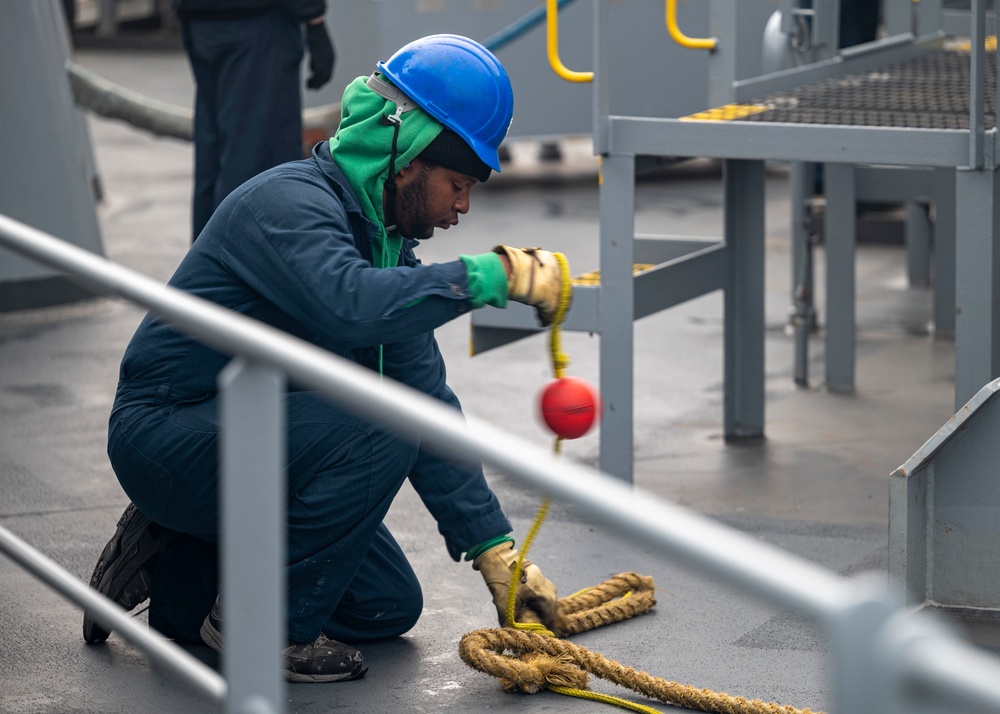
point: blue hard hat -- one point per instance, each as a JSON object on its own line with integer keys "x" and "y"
{"x": 461, "y": 84}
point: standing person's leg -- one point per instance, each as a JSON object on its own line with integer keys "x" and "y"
{"x": 259, "y": 100}
{"x": 859, "y": 21}
{"x": 201, "y": 45}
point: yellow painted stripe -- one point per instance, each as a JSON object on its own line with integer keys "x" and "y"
{"x": 594, "y": 276}
{"x": 966, "y": 45}
{"x": 727, "y": 112}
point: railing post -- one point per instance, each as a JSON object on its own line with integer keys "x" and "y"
{"x": 252, "y": 502}
{"x": 858, "y": 675}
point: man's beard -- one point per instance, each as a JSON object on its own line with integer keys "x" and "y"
{"x": 411, "y": 217}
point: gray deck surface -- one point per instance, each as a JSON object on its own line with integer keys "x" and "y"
{"x": 817, "y": 486}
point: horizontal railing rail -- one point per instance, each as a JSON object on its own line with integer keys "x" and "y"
{"x": 858, "y": 616}
{"x": 164, "y": 652}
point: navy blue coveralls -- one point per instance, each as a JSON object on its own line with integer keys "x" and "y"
{"x": 292, "y": 248}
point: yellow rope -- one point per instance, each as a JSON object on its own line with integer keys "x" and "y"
{"x": 605, "y": 698}
{"x": 516, "y": 576}
{"x": 560, "y": 362}
{"x": 544, "y": 661}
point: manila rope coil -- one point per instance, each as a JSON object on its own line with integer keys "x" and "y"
{"x": 528, "y": 658}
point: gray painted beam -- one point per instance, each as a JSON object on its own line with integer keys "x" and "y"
{"x": 582, "y": 315}
{"x": 977, "y": 323}
{"x": 790, "y": 142}
{"x": 617, "y": 305}
{"x": 681, "y": 280}
{"x": 662, "y": 248}
{"x": 743, "y": 360}
{"x": 802, "y": 310}
{"x": 944, "y": 255}
{"x": 840, "y": 234}
{"x": 918, "y": 243}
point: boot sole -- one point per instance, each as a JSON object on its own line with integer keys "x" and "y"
{"x": 130, "y": 541}
{"x": 317, "y": 678}
{"x": 213, "y": 638}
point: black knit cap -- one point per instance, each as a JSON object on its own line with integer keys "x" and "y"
{"x": 450, "y": 151}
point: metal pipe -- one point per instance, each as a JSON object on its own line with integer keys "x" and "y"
{"x": 112, "y": 101}
{"x": 691, "y": 43}
{"x": 164, "y": 652}
{"x": 744, "y": 563}
{"x": 552, "y": 46}
{"x": 977, "y": 85}
{"x": 953, "y": 668}
{"x": 924, "y": 653}
{"x": 513, "y": 31}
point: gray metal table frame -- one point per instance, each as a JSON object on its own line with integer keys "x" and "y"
{"x": 686, "y": 268}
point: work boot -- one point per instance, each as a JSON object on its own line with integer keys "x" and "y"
{"x": 125, "y": 569}
{"x": 323, "y": 660}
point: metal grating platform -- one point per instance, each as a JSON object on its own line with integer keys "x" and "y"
{"x": 926, "y": 92}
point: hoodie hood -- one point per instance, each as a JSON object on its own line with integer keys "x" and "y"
{"x": 362, "y": 147}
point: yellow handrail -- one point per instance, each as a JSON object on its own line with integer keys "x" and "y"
{"x": 680, "y": 38}
{"x": 552, "y": 46}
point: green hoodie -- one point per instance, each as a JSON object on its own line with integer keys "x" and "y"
{"x": 362, "y": 148}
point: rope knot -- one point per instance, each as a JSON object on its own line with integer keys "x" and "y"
{"x": 556, "y": 671}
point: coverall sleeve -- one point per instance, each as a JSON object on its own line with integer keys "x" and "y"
{"x": 294, "y": 246}
{"x": 465, "y": 508}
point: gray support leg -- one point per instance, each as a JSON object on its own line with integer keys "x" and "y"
{"x": 944, "y": 255}
{"x": 37, "y": 109}
{"x": 252, "y": 493}
{"x": 617, "y": 310}
{"x": 908, "y": 546}
{"x": 107, "y": 20}
{"x": 918, "y": 244}
{"x": 802, "y": 312}
{"x": 840, "y": 234}
{"x": 743, "y": 378}
{"x": 977, "y": 328}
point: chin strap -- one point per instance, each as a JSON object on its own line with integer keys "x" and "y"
{"x": 390, "y": 182}
{"x": 403, "y": 104}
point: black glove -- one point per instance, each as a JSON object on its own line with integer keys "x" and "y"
{"x": 321, "y": 55}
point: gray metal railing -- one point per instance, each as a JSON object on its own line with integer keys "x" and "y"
{"x": 883, "y": 659}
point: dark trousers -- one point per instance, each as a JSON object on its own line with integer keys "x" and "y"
{"x": 347, "y": 577}
{"x": 248, "y": 102}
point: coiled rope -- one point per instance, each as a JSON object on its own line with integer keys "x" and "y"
{"x": 527, "y": 657}
{"x": 530, "y": 662}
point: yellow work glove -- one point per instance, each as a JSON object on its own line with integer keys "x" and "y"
{"x": 535, "y": 279}
{"x": 536, "y": 595}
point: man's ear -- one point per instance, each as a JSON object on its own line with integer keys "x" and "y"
{"x": 407, "y": 172}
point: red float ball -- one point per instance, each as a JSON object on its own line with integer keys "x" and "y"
{"x": 569, "y": 407}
